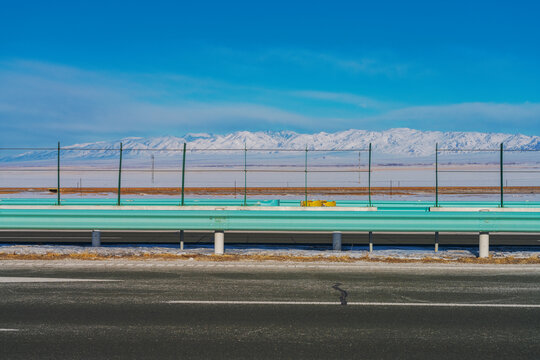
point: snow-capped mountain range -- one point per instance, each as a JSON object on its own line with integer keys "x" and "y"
{"x": 399, "y": 143}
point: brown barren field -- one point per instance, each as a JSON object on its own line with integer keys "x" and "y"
{"x": 285, "y": 190}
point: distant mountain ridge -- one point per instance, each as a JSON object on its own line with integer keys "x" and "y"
{"x": 400, "y": 142}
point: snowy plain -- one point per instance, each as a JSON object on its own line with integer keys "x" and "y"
{"x": 400, "y": 158}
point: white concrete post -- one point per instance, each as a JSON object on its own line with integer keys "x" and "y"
{"x": 483, "y": 246}
{"x": 336, "y": 241}
{"x": 436, "y": 241}
{"x": 370, "y": 241}
{"x": 96, "y": 238}
{"x": 219, "y": 242}
{"x": 181, "y": 239}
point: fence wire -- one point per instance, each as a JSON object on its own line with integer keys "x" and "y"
{"x": 247, "y": 171}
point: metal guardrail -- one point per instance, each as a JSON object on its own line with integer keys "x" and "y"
{"x": 399, "y": 217}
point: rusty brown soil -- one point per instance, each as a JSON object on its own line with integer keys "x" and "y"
{"x": 455, "y": 190}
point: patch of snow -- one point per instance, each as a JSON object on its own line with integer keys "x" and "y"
{"x": 380, "y": 252}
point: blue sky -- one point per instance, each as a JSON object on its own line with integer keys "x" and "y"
{"x": 103, "y": 70}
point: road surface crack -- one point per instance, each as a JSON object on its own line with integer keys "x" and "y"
{"x": 343, "y": 294}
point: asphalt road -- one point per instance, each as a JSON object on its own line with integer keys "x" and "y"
{"x": 138, "y": 316}
{"x": 193, "y": 237}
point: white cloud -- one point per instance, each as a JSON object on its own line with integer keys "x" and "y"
{"x": 477, "y": 115}
{"x": 344, "y": 98}
{"x": 51, "y": 100}
{"x": 35, "y": 95}
{"x": 369, "y": 64}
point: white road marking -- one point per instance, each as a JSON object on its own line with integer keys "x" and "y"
{"x": 49, "y": 237}
{"x": 242, "y": 302}
{"x": 9, "y": 330}
{"x": 13, "y": 279}
{"x": 447, "y": 304}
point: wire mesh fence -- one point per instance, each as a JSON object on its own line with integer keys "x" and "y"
{"x": 243, "y": 173}
{"x": 498, "y": 172}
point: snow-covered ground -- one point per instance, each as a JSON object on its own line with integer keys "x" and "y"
{"x": 91, "y": 175}
{"x": 463, "y": 197}
{"x": 356, "y": 252}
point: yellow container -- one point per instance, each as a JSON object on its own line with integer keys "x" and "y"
{"x": 318, "y": 203}
{"x": 315, "y": 203}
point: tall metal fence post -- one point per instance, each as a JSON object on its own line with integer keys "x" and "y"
{"x": 436, "y": 174}
{"x": 183, "y": 186}
{"x": 245, "y": 174}
{"x": 183, "y": 172}
{"x": 119, "y": 176}
{"x": 369, "y": 175}
{"x": 502, "y": 177}
{"x": 305, "y": 177}
{"x": 58, "y": 176}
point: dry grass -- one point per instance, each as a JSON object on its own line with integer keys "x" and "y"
{"x": 262, "y": 258}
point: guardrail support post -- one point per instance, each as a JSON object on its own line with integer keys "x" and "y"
{"x": 219, "y": 242}
{"x": 436, "y": 241}
{"x": 370, "y": 241}
{"x": 336, "y": 241}
{"x": 483, "y": 245}
{"x": 96, "y": 238}
{"x": 181, "y": 239}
